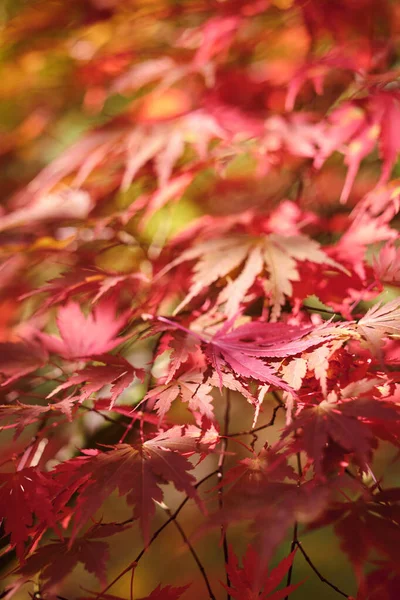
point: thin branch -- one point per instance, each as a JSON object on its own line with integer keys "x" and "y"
{"x": 131, "y": 584}
{"x": 319, "y": 575}
{"x": 105, "y": 417}
{"x": 296, "y": 543}
{"x": 323, "y": 310}
{"x": 295, "y": 539}
{"x": 155, "y": 535}
{"x": 270, "y": 423}
{"x": 292, "y": 547}
{"x": 191, "y": 550}
{"x": 220, "y": 474}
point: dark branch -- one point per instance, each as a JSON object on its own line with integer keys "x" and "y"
{"x": 220, "y": 474}
{"x": 155, "y": 535}
{"x": 319, "y": 575}
{"x": 295, "y": 539}
{"x": 270, "y": 423}
{"x": 192, "y": 551}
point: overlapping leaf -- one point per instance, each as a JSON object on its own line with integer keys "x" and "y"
{"x": 252, "y": 583}
{"x": 276, "y": 254}
{"x": 116, "y": 371}
{"x": 135, "y": 471}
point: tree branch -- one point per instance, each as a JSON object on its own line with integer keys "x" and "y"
{"x": 270, "y": 423}
{"x": 220, "y": 474}
{"x": 155, "y": 535}
{"x": 319, "y": 575}
{"x": 295, "y": 540}
{"x": 191, "y": 550}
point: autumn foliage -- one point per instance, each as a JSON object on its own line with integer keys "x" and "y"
{"x": 199, "y": 297}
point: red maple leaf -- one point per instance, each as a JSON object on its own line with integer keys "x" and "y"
{"x": 246, "y": 487}
{"x": 181, "y": 345}
{"x": 348, "y": 422}
{"x": 117, "y": 372}
{"x": 58, "y": 559}
{"x": 254, "y": 582}
{"x": 190, "y": 387}
{"x": 135, "y": 471}
{"x": 20, "y": 415}
{"x": 20, "y": 358}
{"x": 381, "y": 584}
{"x": 24, "y": 496}
{"x": 167, "y": 592}
{"x": 368, "y": 523}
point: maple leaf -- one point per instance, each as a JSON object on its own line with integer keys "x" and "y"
{"x": 55, "y": 561}
{"x": 188, "y": 439}
{"x": 181, "y": 346}
{"x": 196, "y": 392}
{"x": 135, "y": 471}
{"x": 381, "y": 584}
{"x": 81, "y": 336}
{"x": 20, "y": 358}
{"x": 190, "y": 388}
{"x": 252, "y": 582}
{"x": 360, "y": 125}
{"x": 387, "y": 264}
{"x": 294, "y": 371}
{"x": 352, "y": 246}
{"x": 20, "y": 415}
{"x": 277, "y": 254}
{"x": 166, "y": 593}
{"x": 216, "y": 36}
{"x": 26, "y": 494}
{"x": 117, "y": 372}
{"x": 366, "y": 524}
{"x": 68, "y": 203}
{"x": 315, "y": 71}
{"x": 379, "y": 322}
{"x": 345, "y": 421}
{"x": 318, "y": 359}
{"x": 79, "y": 281}
{"x": 143, "y": 73}
{"x": 250, "y": 482}
{"x": 162, "y": 142}
{"x": 243, "y": 349}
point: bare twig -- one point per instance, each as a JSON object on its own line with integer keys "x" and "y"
{"x": 220, "y": 474}
{"x": 191, "y": 550}
{"x": 105, "y": 417}
{"x": 270, "y": 423}
{"x": 295, "y": 526}
{"x": 319, "y": 575}
{"x": 155, "y": 535}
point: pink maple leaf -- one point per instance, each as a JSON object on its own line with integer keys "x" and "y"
{"x": 83, "y": 336}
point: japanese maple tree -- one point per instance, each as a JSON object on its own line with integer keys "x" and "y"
{"x": 199, "y": 308}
